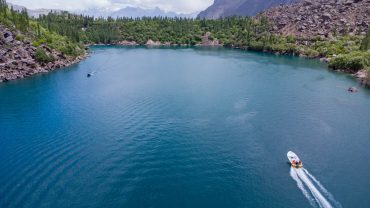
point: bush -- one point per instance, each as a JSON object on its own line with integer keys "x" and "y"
{"x": 39, "y": 42}
{"x": 19, "y": 37}
{"x": 257, "y": 46}
{"x": 352, "y": 62}
{"x": 42, "y": 57}
{"x": 311, "y": 53}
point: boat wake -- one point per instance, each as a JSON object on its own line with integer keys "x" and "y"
{"x": 317, "y": 199}
{"x": 300, "y": 185}
{"x": 325, "y": 192}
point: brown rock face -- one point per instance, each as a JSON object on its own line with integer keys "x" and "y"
{"x": 153, "y": 43}
{"x": 324, "y": 18}
{"x": 207, "y": 42}
{"x": 17, "y": 58}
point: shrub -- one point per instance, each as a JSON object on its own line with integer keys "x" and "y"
{"x": 352, "y": 62}
{"x": 39, "y": 42}
{"x": 311, "y": 53}
{"x": 19, "y": 37}
{"x": 291, "y": 39}
{"x": 257, "y": 46}
{"x": 42, "y": 57}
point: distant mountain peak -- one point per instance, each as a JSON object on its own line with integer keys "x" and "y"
{"x": 129, "y": 11}
{"x": 33, "y": 12}
{"x": 134, "y": 12}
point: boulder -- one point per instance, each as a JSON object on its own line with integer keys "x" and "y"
{"x": 353, "y": 89}
{"x": 153, "y": 43}
{"x": 127, "y": 43}
{"x": 8, "y": 37}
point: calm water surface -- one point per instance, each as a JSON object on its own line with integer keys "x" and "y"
{"x": 182, "y": 128}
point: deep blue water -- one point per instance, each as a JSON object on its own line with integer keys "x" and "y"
{"x": 182, "y": 128}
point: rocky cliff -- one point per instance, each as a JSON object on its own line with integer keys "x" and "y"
{"x": 18, "y": 58}
{"x": 324, "y": 18}
{"x": 225, "y": 8}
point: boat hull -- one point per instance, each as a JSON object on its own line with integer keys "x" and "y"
{"x": 294, "y": 160}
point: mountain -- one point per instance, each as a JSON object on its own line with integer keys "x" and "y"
{"x": 103, "y": 12}
{"x": 325, "y": 18}
{"x": 32, "y": 12}
{"x": 133, "y": 12}
{"x": 225, "y": 8}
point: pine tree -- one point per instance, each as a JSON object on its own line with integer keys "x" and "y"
{"x": 365, "y": 45}
{"x": 38, "y": 30}
{"x": 3, "y": 8}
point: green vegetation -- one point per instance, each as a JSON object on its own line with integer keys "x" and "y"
{"x": 67, "y": 32}
{"x": 365, "y": 44}
{"x": 42, "y": 57}
{"x": 353, "y": 54}
{"x": 243, "y": 32}
{"x": 175, "y": 30}
{"x": 10, "y": 17}
{"x": 352, "y": 62}
{"x": 28, "y": 29}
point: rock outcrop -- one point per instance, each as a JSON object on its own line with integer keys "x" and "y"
{"x": 363, "y": 76}
{"x": 153, "y": 43}
{"x": 206, "y": 41}
{"x": 126, "y": 43}
{"x": 325, "y": 18}
{"x": 226, "y": 8}
{"x": 17, "y": 58}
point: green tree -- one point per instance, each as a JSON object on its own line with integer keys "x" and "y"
{"x": 365, "y": 44}
{"x": 42, "y": 57}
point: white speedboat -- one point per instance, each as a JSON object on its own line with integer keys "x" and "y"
{"x": 294, "y": 160}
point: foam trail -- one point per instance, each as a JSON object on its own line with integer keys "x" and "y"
{"x": 323, "y": 189}
{"x": 316, "y": 193}
{"x": 300, "y": 185}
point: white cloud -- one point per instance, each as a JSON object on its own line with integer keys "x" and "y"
{"x": 180, "y": 6}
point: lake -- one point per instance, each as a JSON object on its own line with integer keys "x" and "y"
{"x": 184, "y": 127}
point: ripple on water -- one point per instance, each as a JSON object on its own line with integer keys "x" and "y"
{"x": 192, "y": 132}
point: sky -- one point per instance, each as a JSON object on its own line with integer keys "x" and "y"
{"x": 179, "y": 6}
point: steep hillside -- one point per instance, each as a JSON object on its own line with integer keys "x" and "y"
{"x": 26, "y": 48}
{"x": 225, "y": 8}
{"x": 20, "y": 58}
{"x": 324, "y": 18}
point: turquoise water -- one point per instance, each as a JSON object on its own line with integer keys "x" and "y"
{"x": 183, "y": 128}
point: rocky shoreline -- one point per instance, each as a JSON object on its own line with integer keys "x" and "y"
{"x": 18, "y": 58}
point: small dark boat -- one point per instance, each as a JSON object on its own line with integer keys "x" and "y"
{"x": 352, "y": 89}
{"x": 89, "y": 75}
